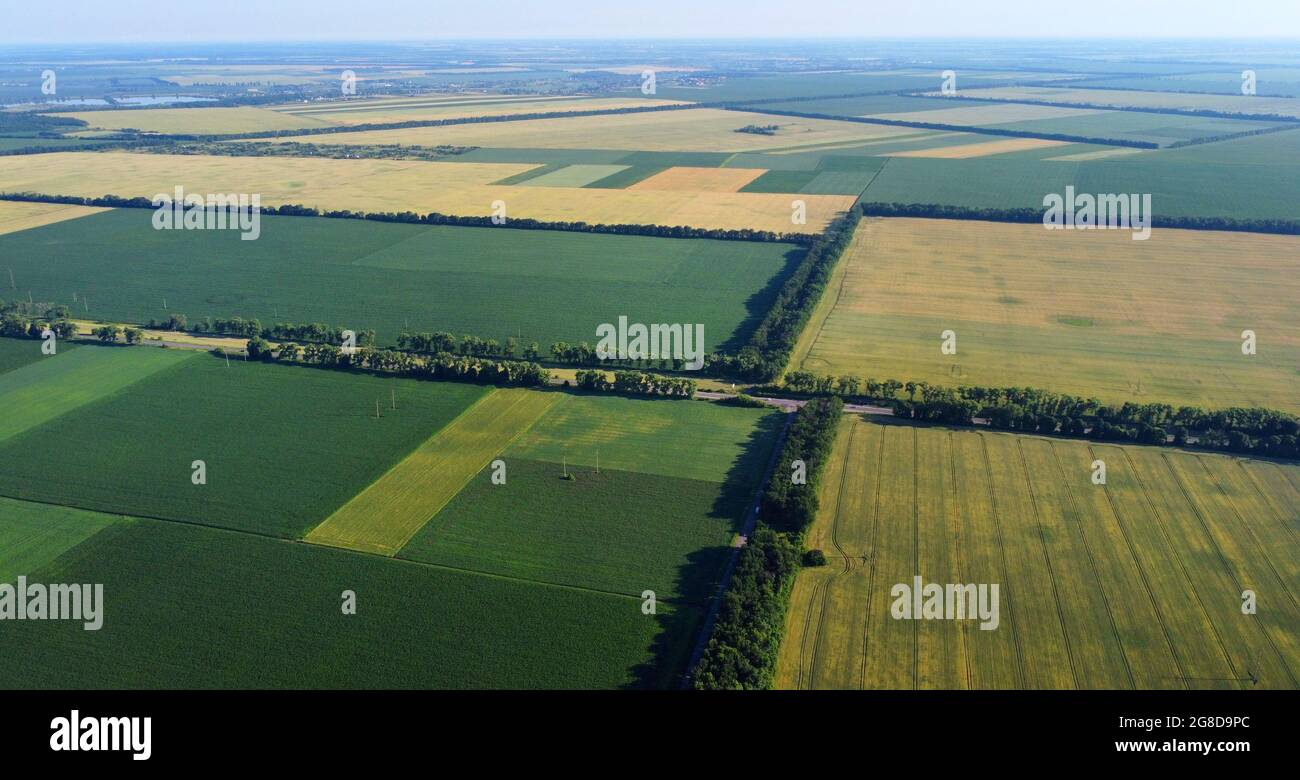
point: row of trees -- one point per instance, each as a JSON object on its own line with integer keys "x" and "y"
{"x": 1247, "y": 430}
{"x": 636, "y": 383}
{"x": 1035, "y": 215}
{"x": 112, "y": 334}
{"x": 434, "y": 218}
{"x": 443, "y": 365}
{"x": 790, "y": 504}
{"x": 1137, "y": 109}
{"x": 442, "y": 341}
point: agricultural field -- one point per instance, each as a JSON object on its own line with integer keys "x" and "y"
{"x": 33, "y": 535}
{"x": 687, "y": 130}
{"x": 282, "y": 446}
{"x": 199, "y": 121}
{"x": 215, "y": 609}
{"x": 457, "y": 188}
{"x": 542, "y": 286}
{"x": 1122, "y": 98}
{"x": 1090, "y": 313}
{"x": 1132, "y": 584}
{"x": 16, "y": 216}
{"x": 382, "y": 110}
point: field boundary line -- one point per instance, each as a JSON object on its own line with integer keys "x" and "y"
{"x": 1092, "y": 564}
{"x": 1228, "y": 568}
{"x": 1146, "y": 584}
{"x": 1006, "y": 569}
{"x": 1047, "y": 558}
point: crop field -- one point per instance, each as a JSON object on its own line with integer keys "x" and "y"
{"x": 1132, "y": 584}
{"x": 16, "y": 353}
{"x": 530, "y": 284}
{"x": 699, "y": 179}
{"x": 658, "y": 490}
{"x": 689, "y": 130}
{"x": 1231, "y": 104}
{"x": 357, "y": 112}
{"x": 977, "y": 114}
{"x": 1091, "y": 313}
{"x": 459, "y": 188}
{"x": 178, "y": 598}
{"x": 282, "y": 446}
{"x": 45, "y": 389}
{"x": 963, "y": 151}
{"x": 199, "y": 121}
{"x": 16, "y": 216}
{"x": 384, "y": 516}
{"x": 32, "y": 535}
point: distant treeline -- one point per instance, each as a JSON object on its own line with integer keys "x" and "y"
{"x": 1035, "y": 215}
{"x": 769, "y": 348}
{"x": 636, "y": 383}
{"x": 434, "y": 218}
{"x": 1210, "y": 139}
{"x": 1243, "y": 430}
{"x": 1205, "y": 112}
{"x": 1079, "y": 139}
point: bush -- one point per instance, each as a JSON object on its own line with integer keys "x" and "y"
{"x": 814, "y": 558}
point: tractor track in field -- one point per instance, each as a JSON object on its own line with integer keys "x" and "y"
{"x": 1146, "y": 583}
{"x": 1092, "y": 564}
{"x": 1223, "y": 560}
{"x": 1006, "y": 569}
{"x": 873, "y": 552}
{"x": 1182, "y": 567}
{"x": 957, "y": 557}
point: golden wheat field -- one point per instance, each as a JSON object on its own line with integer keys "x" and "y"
{"x": 687, "y": 130}
{"x": 16, "y": 215}
{"x": 462, "y": 189}
{"x": 452, "y": 107}
{"x": 1132, "y": 584}
{"x": 1091, "y": 313}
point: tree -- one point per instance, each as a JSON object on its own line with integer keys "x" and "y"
{"x": 133, "y": 335}
{"x": 107, "y": 333}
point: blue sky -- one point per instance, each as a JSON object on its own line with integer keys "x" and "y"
{"x": 61, "y": 21}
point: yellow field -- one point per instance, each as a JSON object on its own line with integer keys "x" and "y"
{"x": 1125, "y": 98}
{"x": 1132, "y": 584}
{"x": 1090, "y": 313}
{"x": 462, "y": 189}
{"x": 243, "y": 119}
{"x": 700, "y": 179}
{"x": 383, "y": 517}
{"x": 987, "y": 114}
{"x": 965, "y": 151}
{"x": 691, "y": 130}
{"x": 16, "y": 215}
{"x": 451, "y": 107}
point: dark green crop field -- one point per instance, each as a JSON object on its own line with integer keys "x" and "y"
{"x": 193, "y": 607}
{"x": 283, "y": 445}
{"x": 16, "y": 353}
{"x": 537, "y": 285}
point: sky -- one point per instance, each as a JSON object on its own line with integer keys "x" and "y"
{"x": 129, "y": 21}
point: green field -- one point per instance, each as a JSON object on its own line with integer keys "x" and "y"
{"x": 284, "y": 446}
{"x": 537, "y": 285}
{"x": 384, "y": 516}
{"x": 191, "y": 607}
{"x": 57, "y": 384}
{"x": 16, "y": 353}
{"x": 1133, "y": 584}
{"x": 32, "y": 535}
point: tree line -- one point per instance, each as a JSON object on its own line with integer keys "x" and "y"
{"x": 635, "y": 383}
{"x": 1035, "y": 215}
{"x": 1205, "y": 112}
{"x": 1242, "y": 430}
{"x": 28, "y": 320}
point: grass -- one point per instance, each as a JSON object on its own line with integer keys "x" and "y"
{"x": 617, "y": 531}
{"x": 537, "y": 285}
{"x": 384, "y": 516}
{"x": 32, "y": 535}
{"x": 1132, "y": 584}
{"x": 461, "y": 188}
{"x": 212, "y": 608}
{"x": 56, "y": 385}
{"x": 1163, "y": 317}
{"x": 283, "y": 446}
